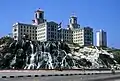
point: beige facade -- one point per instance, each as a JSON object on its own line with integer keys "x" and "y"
{"x": 47, "y": 31}
{"x": 19, "y": 29}
{"x": 78, "y": 36}
{"x": 41, "y": 32}
{"x": 83, "y": 36}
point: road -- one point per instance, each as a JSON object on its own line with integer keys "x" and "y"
{"x": 44, "y": 72}
{"x": 95, "y": 77}
{"x": 65, "y": 78}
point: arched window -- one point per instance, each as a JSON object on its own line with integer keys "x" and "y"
{"x": 36, "y": 15}
{"x": 15, "y": 36}
{"x": 40, "y": 15}
{"x": 70, "y": 20}
{"x": 75, "y": 20}
{"x": 15, "y": 30}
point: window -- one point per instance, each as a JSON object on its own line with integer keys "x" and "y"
{"x": 40, "y": 15}
{"x": 52, "y": 28}
{"x": 70, "y": 21}
{"x": 36, "y": 15}
{"x": 15, "y": 36}
{"x": 15, "y": 30}
{"x": 48, "y": 28}
{"x": 52, "y": 35}
{"x": 48, "y": 36}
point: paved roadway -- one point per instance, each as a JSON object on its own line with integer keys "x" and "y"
{"x": 98, "y": 77}
{"x": 44, "y": 72}
{"x": 65, "y": 78}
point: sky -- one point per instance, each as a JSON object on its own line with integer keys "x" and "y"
{"x": 98, "y": 14}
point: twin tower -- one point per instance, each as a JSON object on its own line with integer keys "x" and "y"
{"x": 39, "y": 18}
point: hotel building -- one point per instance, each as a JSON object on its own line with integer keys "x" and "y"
{"x": 42, "y": 30}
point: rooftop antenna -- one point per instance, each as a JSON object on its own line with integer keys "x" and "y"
{"x": 73, "y": 14}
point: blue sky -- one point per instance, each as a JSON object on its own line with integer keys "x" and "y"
{"x": 98, "y": 14}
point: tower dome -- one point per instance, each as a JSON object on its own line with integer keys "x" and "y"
{"x": 39, "y": 10}
{"x": 38, "y": 16}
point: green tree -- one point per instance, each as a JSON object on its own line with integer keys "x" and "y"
{"x": 6, "y": 39}
{"x": 116, "y": 54}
